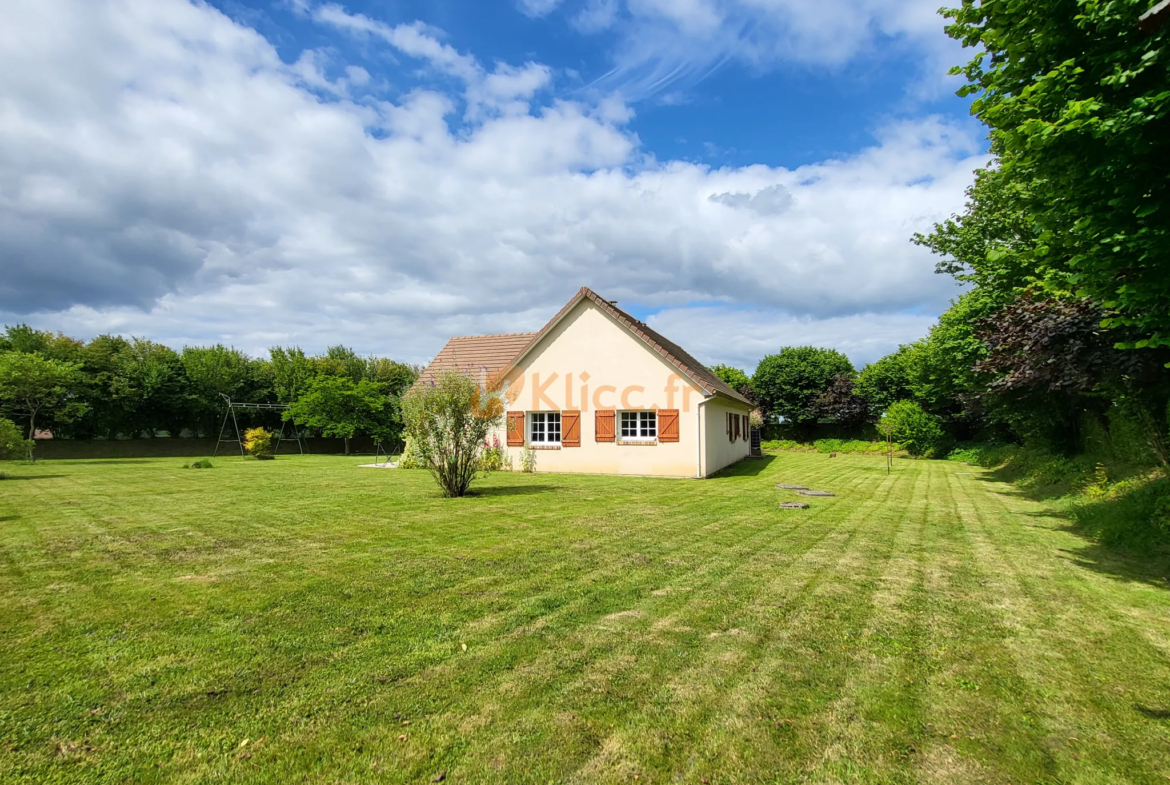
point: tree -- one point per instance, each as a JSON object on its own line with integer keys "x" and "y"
{"x": 292, "y": 372}
{"x": 213, "y": 372}
{"x": 841, "y": 403}
{"x": 1076, "y": 100}
{"x": 13, "y": 445}
{"x": 918, "y": 431}
{"x": 150, "y": 382}
{"x": 789, "y": 383}
{"x": 30, "y": 386}
{"x": 339, "y": 408}
{"x": 732, "y": 377}
{"x": 888, "y": 380}
{"x": 447, "y": 423}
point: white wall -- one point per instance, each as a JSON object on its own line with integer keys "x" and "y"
{"x": 589, "y": 342}
{"x": 718, "y": 449}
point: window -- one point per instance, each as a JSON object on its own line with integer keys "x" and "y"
{"x": 546, "y": 428}
{"x": 639, "y": 426}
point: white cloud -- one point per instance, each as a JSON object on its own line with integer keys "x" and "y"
{"x": 664, "y": 42}
{"x": 537, "y": 8}
{"x": 863, "y": 337}
{"x": 163, "y": 173}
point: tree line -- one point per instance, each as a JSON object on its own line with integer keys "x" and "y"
{"x": 114, "y": 387}
{"x": 1062, "y": 335}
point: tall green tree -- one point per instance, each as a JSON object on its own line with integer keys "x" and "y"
{"x": 292, "y": 371}
{"x": 1077, "y": 100}
{"x": 149, "y": 381}
{"x": 32, "y": 386}
{"x": 340, "y": 408}
{"x": 732, "y": 377}
{"x": 790, "y": 382}
{"x": 883, "y": 382}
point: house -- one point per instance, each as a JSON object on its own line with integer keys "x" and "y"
{"x": 597, "y": 391}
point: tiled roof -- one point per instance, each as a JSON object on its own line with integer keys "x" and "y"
{"x": 487, "y": 354}
{"x": 479, "y": 354}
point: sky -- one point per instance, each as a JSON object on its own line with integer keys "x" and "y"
{"x": 741, "y": 174}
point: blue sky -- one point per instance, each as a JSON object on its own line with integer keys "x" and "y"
{"x": 745, "y": 174}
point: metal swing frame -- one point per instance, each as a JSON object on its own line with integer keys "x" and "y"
{"x": 230, "y": 413}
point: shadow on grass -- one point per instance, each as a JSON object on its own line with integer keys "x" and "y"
{"x": 13, "y": 478}
{"x": 512, "y": 490}
{"x": 750, "y": 467}
{"x": 1121, "y": 538}
{"x": 6, "y": 518}
{"x": 1153, "y": 714}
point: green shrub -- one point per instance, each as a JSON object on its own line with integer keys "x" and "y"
{"x": 1133, "y": 514}
{"x": 987, "y": 455}
{"x": 205, "y": 463}
{"x": 410, "y": 458}
{"x": 918, "y": 431}
{"x": 258, "y": 442}
{"x": 855, "y": 446}
{"x": 13, "y": 445}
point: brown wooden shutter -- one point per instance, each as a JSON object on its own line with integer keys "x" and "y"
{"x": 515, "y": 429}
{"x": 735, "y": 423}
{"x": 668, "y": 425}
{"x": 747, "y": 426}
{"x": 570, "y": 429}
{"x": 730, "y": 434}
{"x": 604, "y": 430}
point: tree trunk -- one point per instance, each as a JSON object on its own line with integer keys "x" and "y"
{"x": 346, "y": 445}
{"x": 32, "y": 432}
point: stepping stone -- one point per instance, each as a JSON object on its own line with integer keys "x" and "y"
{"x": 793, "y": 487}
{"x": 816, "y": 493}
{"x": 793, "y": 506}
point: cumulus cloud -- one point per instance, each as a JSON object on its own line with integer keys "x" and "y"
{"x": 863, "y": 337}
{"x": 163, "y": 172}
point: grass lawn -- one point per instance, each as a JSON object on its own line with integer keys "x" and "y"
{"x": 303, "y": 620}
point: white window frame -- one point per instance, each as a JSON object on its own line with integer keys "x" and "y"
{"x": 544, "y": 419}
{"x": 640, "y": 418}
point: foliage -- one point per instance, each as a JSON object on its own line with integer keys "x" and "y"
{"x": 841, "y": 403}
{"x": 826, "y": 446}
{"x": 341, "y": 408}
{"x": 918, "y": 431}
{"x": 732, "y": 377}
{"x": 886, "y": 381}
{"x": 447, "y": 422}
{"x": 150, "y": 383}
{"x": 31, "y": 385}
{"x": 410, "y": 458}
{"x": 13, "y": 445}
{"x": 1076, "y": 99}
{"x": 528, "y": 460}
{"x": 292, "y": 371}
{"x": 494, "y": 456}
{"x": 790, "y": 382}
{"x": 258, "y": 442}
{"x": 205, "y": 463}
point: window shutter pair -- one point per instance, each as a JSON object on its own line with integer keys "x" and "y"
{"x": 570, "y": 429}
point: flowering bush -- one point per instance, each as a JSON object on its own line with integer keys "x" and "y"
{"x": 493, "y": 457}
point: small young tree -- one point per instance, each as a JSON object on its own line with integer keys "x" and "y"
{"x": 917, "y": 430}
{"x": 447, "y": 422}
{"x": 258, "y": 442}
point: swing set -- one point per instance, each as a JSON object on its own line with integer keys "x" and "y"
{"x": 230, "y": 414}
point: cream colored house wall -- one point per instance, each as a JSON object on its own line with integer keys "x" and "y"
{"x": 587, "y": 362}
{"x": 718, "y": 449}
